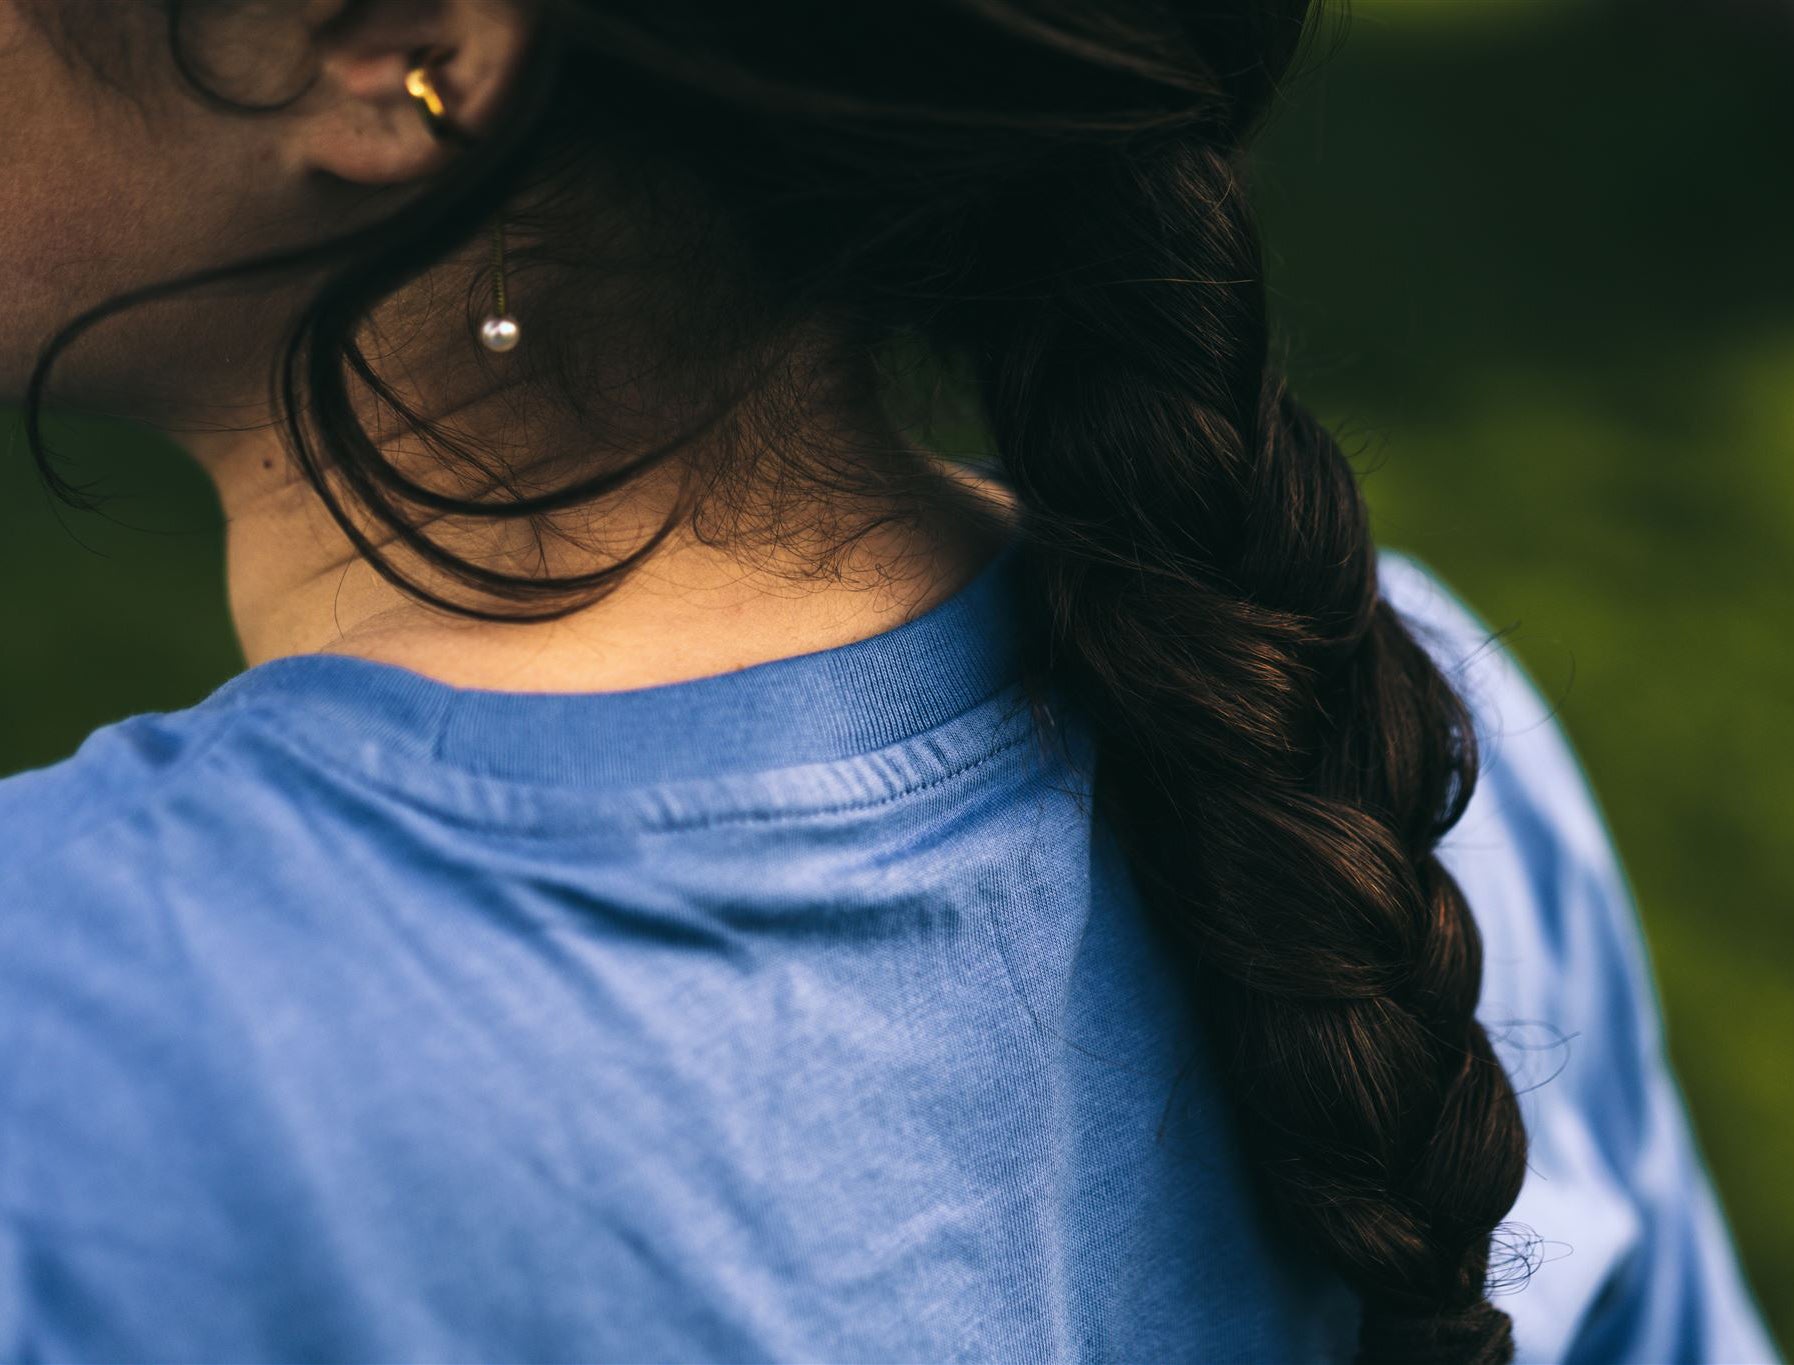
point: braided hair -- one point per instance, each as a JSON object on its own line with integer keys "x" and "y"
{"x": 1279, "y": 753}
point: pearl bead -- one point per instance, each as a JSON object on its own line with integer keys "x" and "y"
{"x": 500, "y": 333}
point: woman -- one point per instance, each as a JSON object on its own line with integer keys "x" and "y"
{"x": 654, "y": 893}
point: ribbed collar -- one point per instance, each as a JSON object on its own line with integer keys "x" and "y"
{"x": 804, "y": 709}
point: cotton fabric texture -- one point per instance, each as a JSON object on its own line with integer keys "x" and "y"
{"x": 796, "y": 1014}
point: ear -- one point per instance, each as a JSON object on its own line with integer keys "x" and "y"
{"x": 360, "y": 123}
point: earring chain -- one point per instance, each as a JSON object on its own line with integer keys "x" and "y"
{"x": 499, "y": 331}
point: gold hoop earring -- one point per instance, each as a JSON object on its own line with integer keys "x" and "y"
{"x": 499, "y": 330}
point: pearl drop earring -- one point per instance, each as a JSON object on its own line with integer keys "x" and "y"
{"x": 499, "y": 332}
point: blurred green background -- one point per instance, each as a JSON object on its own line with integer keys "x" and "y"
{"x": 1534, "y": 261}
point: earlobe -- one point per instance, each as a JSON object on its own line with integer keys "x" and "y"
{"x": 371, "y": 123}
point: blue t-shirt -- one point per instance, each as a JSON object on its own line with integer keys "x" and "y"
{"x": 799, "y": 1013}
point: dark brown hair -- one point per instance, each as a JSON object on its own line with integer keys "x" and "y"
{"x": 1049, "y": 195}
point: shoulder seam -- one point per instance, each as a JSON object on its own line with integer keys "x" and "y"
{"x": 203, "y": 745}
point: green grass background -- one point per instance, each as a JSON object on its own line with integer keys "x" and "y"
{"x": 1536, "y": 266}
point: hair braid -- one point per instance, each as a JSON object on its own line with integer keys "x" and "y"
{"x": 1279, "y": 753}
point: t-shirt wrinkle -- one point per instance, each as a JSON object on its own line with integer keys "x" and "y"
{"x": 805, "y": 1012}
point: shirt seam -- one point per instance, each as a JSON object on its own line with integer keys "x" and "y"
{"x": 139, "y": 798}
{"x": 647, "y": 822}
{"x": 843, "y": 808}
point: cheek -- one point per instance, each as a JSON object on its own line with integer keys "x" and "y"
{"x": 54, "y": 193}
{"x": 99, "y": 196}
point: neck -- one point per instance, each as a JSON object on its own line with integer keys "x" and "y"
{"x": 689, "y": 609}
